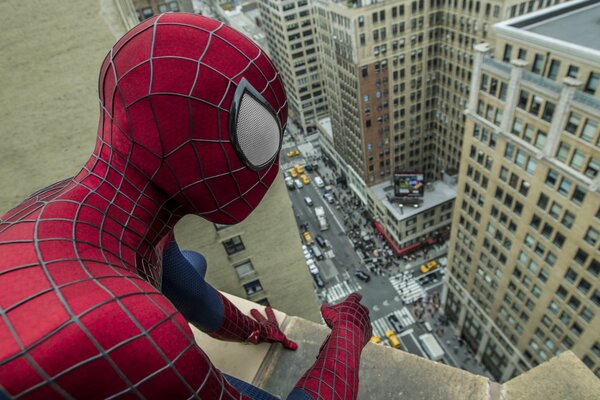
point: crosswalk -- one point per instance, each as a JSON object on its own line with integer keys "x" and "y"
{"x": 407, "y": 287}
{"x": 381, "y": 325}
{"x": 341, "y": 290}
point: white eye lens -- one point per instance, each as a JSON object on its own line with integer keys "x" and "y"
{"x": 255, "y": 130}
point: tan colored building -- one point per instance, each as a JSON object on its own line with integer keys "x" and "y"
{"x": 148, "y": 8}
{"x": 524, "y": 255}
{"x": 49, "y": 108}
{"x": 290, "y": 30}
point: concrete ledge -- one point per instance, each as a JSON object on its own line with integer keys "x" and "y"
{"x": 562, "y": 377}
{"x": 386, "y": 373}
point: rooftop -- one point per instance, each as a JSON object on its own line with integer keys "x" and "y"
{"x": 387, "y": 373}
{"x": 436, "y": 193}
{"x": 579, "y": 26}
{"x": 571, "y": 28}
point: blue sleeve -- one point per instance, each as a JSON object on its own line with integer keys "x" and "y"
{"x": 184, "y": 285}
{"x": 298, "y": 394}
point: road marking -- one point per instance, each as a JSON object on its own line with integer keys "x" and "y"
{"x": 376, "y": 308}
{"x": 341, "y": 290}
{"x": 382, "y": 324}
{"x": 386, "y": 303}
{"x": 396, "y": 298}
{"x": 334, "y": 217}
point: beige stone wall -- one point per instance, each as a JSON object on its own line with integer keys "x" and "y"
{"x": 50, "y": 55}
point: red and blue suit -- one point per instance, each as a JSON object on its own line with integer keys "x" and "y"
{"x": 95, "y": 295}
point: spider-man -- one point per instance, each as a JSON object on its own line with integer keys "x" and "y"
{"x": 95, "y": 296}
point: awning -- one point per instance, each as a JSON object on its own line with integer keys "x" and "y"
{"x": 430, "y": 240}
{"x": 388, "y": 239}
{"x": 411, "y": 248}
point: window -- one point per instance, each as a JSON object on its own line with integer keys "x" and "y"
{"x": 563, "y": 151}
{"x": 244, "y": 269}
{"x": 577, "y": 160}
{"x": 568, "y": 219}
{"x": 589, "y": 130}
{"x": 592, "y": 83}
{"x": 573, "y": 123}
{"x": 553, "y": 70}
{"x": 573, "y": 71}
{"x": 578, "y": 195}
{"x": 592, "y": 236}
{"x": 233, "y": 245}
{"x": 538, "y": 63}
{"x": 522, "y": 54}
{"x": 564, "y": 187}
{"x": 592, "y": 168}
{"x": 507, "y": 53}
{"x": 253, "y": 287}
{"x": 540, "y": 139}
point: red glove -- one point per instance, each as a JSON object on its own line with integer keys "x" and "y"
{"x": 334, "y": 376}
{"x": 240, "y": 327}
{"x": 269, "y": 330}
{"x": 349, "y": 313}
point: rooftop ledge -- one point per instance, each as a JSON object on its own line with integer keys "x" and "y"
{"x": 387, "y": 373}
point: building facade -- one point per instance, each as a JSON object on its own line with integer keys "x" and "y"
{"x": 524, "y": 257}
{"x": 148, "y": 8}
{"x": 289, "y": 27}
{"x": 259, "y": 259}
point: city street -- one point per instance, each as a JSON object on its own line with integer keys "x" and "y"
{"x": 397, "y": 288}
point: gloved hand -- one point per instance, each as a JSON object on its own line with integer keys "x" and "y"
{"x": 269, "y": 330}
{"x": 351, "y": 314}
{"x": 334, "y": 375}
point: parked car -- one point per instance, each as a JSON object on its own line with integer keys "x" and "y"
{"x": 318, "y": 254}
{"x": 298, "y": 183}
{"x": 395, "y": 322}
{"x": 318, "y": 280}
{"x": 308, "y": 167}
{"x": 308, "y": 201}
{"x": 307, "y": 238}
{"x": 329, "y": 197}
{"x": 363, "y": 276}
{"x": 293, "y": 153}
{"x": 312, "y": 267}
{"x": 321, "y": 241}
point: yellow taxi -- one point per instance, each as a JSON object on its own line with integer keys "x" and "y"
{"x": 299, "y": 168}
{"x": 431, "y": 265}
{"x": 393, "y": 339}
{"x": 293, "y": 173}
{"x": 293, "y": 153}
{"x": 307, "y": 237}
{"x": 305, "y": 179}
{"x": 375, "y": 339}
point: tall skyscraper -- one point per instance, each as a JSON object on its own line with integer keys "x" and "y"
{"x": 524, "y": 255}
{"x": 290, "y": 30}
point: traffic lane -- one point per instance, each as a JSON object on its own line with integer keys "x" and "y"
{"x": 411, "y": 345}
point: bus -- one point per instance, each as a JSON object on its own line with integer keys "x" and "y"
{"x": 432, "y": 347}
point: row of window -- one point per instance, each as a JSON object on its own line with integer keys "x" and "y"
{"x": 245, "y": 268}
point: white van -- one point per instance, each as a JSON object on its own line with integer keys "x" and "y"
{"x": 319, "y": 181}
{"x": 432, "y": 347}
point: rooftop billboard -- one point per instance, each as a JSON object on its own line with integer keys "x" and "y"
{"x": 408, "y": 184}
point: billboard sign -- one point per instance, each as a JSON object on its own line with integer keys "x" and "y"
{"x": 408, "y": 184}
